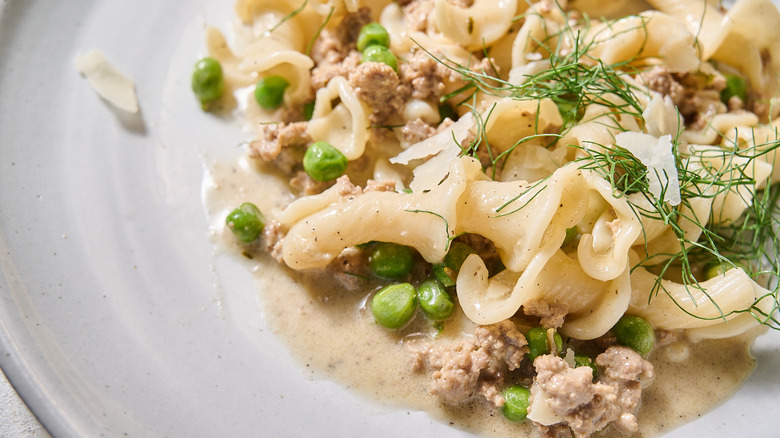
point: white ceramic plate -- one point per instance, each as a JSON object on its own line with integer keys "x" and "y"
{"x": 115, "y": 318}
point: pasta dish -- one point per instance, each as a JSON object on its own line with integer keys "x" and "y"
{"x": 527, "y": 207}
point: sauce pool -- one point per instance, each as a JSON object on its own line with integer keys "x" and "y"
{"x": 331, "y": 331}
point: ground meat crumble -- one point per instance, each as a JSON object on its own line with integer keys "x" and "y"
{"x": 281, "y": 144}
{"x": 585, "y": 406}
{"x": 472, "y": 366}
{"x": 478, "y": 367}
{"x": 377, "y": 85}
{"x": 697, "y": 95}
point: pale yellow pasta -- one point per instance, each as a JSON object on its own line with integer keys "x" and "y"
{"x": 677, "y": 306}
{"x": 741, "y": 130}
{"x": 392, "y": 19}
{"x": 264, "y": 58}
{"x": 536, "y": 231}
{"x": 307, "y": 206}
{"x": 610, "y": 9}
{"x": 292, "y": 23}
{"x": 437, "y": 43}
{"x": 721, "y": 126}
{"x": 518, "y": 75}
{"x": 701, "y": 18}
{"x": 521, "y": 218}
{"x": 598, "y": 126}
{"x": 500, "y": 52}
{"x": 509, "y": 120}
{"x": 739, "y": 324}
{"x": 385, "y": 171}
{"x": 218, "y": 48}
{"x": 649, "y": 34}
{"x": 277, "y": 53}
{"x": 420, "y": 109}
{"x": 757, "y": 54}
{"x": 345, "y": 125}
{"x": 761, "y": 138}
{"x": 553, "y": 277}
{"x": 248, "y": 11}
{"x": 477, "y": 26}
{"x": 739, "y": 52}
{"x": 535, "y": 29}
{"x": 605, "y": 261}
{"x": 731, "y": 37}
{"x": 658, "y": 239}
{"x": 532, "y": 161}
{"x": 424, "y": 221}
{"x": 732, "y": 200}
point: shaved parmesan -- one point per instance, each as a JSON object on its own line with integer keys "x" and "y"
{"x": 541, "y": 412}
{"x": 453, "y": 134}
{"x": 107, "y": 81}
{"x": 661, "y": 116}
{"x": 569, "y": 358}
{"x": 429, "y": 174}
{"x": 656, "y": 154}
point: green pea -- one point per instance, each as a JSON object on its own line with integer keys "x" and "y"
{"x": 323, "y": 162}
{"x": 269, "y": 92}
{"x": 713, "y": 270}
{"x": 381, "y": 54}
{"x": 390, "y": 260}
{"x": 457, "y": 255}
{"x": 516, "y": 402}
{"x": 308, "y": 110}
{"x": 246, "y": 222}
{"x": 571, "y": 234}
{"x": 735, "y": 86}
{"x": 580, "y": 360}
{"x": 717, "y": 268}
{"x": 446, "y": 271}
{"x": 435, "y": 302}
{"x": 373, "y": 34}
{"x": 537, "y": 342}
{"x": 634, "y": 332}
{"x": 444, "y": 275}
{"x": 394, "y": 305}
{"x": 446, "y": 111}
{"x": 207, "y": 82}
{"x": 366, "y": 245}
{"x": 570, "y": 107}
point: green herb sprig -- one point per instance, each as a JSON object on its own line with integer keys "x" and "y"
{"x": 574, "y": 80}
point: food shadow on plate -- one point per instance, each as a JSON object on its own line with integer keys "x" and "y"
{"x": 132, "y": 122}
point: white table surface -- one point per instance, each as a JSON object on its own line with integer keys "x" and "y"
{"x": 16, "y": 420}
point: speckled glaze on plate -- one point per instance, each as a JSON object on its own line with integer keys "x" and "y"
{"x": 116, "y": 317}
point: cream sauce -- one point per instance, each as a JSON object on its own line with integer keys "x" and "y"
{"x": 333, "y": 334}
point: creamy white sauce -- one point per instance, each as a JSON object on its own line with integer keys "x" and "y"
{"x": 332, "y": 333}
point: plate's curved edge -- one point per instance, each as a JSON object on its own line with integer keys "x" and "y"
{"x": 21, "y": 373}
{"x": 23, "y": 376}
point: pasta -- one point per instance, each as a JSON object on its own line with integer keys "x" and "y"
{"x": 543, "y": 165}
{"x": 345, "y": 124}
{"x": 476, "y": 26}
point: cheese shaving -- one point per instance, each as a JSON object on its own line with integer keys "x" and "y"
{"x": 661, "y": 116}
{"x": 540, "y": 411}
{"x": 107, "y": 81}
{"x": 656, "y": 154}
{"x": 453, "y": 134}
